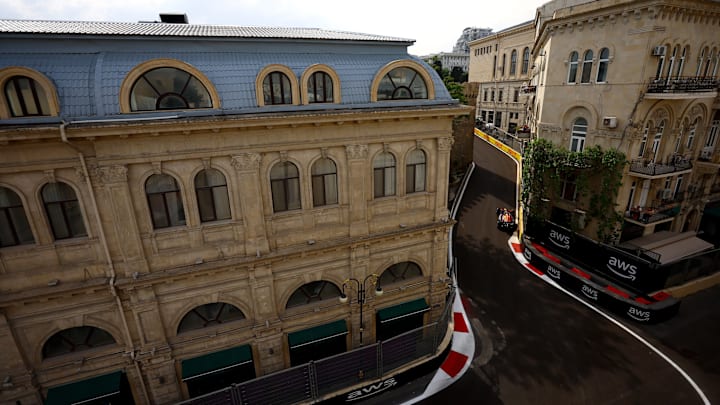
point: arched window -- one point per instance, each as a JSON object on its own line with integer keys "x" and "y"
{"x": 285, "y": 186}
{"x": 320, "y": 88}
{"x": 25, "y": 97}
{"x": 312, "y": 293}
{"x": 701, "y": 58}
{"x": 415, "y": 172}
{"x": 168, "y": 88}
{"x": 681, "y": 63}
{"x": 525, "y": 61}
{"x": 691, "y": 134}
{"x": 643, "y": 142}
{"x": 14, "y": 226}
{"x": 573, "y": 67}
{"x": 657, "y": 139}
{"x": 384, "y": 175}
{"x": 513, "y": 62}
{"x": 708, "y": 63}
{"x": 212, "y": 195}
{"x": 671, "y": 65}
{"x": 402, "y": 83}
{"x": 587, "y": 66}
{"x": 166, "y": 206}
{"x": 577, "y": 138}
{"x": 209, "y": 315}
{"x": 324, "y": 183}
{"x": 277, "y": 89}
{"x": 76, "y": 340}
{"x": 603, "y": 63}
{"x": 63, "y": 211}
{"x": 400, "y": 272}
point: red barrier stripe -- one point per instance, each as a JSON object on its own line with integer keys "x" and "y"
{"x": 553, "y": 258}
{"x": 454, "y": 363}
{"x": 618, "y": 291}
{"x": 460, "y": 325}
{"x": 642, "y": 300}
{"x": 540, "y": 248}
{"x": 580, "y": 273}
{"x": 517, "y": 248}
{"x": 535, "y": 269}
{"x": 659, "y": 296}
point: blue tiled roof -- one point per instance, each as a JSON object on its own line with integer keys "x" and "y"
{"x": 182, "y": 30}
{"x": 88, "y": 74}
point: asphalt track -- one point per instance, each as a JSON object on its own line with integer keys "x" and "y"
{"x": 535, "y": 343}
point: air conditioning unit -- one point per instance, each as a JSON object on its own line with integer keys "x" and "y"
{"x": 610, "y": 122}
{"x": 667, "y": 193}
{"x": 658, "y": 50}
{"x": 706, "y": 153}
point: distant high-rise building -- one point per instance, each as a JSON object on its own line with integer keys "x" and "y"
{"x": 470, "y": 34}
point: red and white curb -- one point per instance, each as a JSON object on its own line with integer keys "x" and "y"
{"x": 462, "y": 351}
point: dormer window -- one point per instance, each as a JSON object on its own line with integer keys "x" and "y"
{"x": 402, "y": 83}
{"x": 168, "y": 88}
{"x": 25, "y": 97}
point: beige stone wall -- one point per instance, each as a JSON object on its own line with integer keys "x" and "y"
{"x": 630, "y": 30}
{"x": 137, "y": 283}
{"x": 489, "y": 51}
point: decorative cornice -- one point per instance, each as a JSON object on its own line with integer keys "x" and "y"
{"x": 356, "y": 151}
{"x": 246, "y": 161}
{"x": 111, "y": 174}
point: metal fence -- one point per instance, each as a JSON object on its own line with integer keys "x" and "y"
{"x": 516, "y": 141}
{"x": 309, "y": 383}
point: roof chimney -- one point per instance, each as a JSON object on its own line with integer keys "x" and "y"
{"x": 171, "y": 18}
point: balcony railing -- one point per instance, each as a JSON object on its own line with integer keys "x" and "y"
{"x": 682, "y": 85}
{"x": 650, "y": 215}
{"x": 673, "y": 163}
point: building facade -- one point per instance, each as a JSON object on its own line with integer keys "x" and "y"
{"x": 640, "y": 77}
{"x": 184, "y": 206}
{"x": 501, "y": 65}
{"x": 468, "y": 35}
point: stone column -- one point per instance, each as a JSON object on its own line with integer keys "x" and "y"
{"x": 358, "y": 182}
{"x": 444, "y": 146}
{"x": 118, "y": 218}
{"x": 247, "y": 166}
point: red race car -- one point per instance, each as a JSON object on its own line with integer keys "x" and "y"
{"x": 506, "y": 219}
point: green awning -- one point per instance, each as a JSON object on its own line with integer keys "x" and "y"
{"x": 85, "y": 390}
{"x": 318, "y": 333}
{"x": 217, "y": 361}
{"x": 400, "y": 311}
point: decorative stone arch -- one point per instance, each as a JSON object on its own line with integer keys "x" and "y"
{"x": 141, "y": 69}
{"x": 259, "y": 95}
{"x": 207, "y": 164}
{"x": 398, "y": 64}
{"x": 337, "y": 94}
{"x": 576, "y": 110}
{"x": 391, "y": 261}
{"x": 201, "y": 300}
{"x": 159, "y": 169}
{"x": 77, "y": 322}
{"x": 299, "y": 282}
{"x": 46, "y": 84}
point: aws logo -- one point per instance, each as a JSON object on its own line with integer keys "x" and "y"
{"x": 560, "y": 240}
{"x": 589, "y": 292}
{"x": 553, "y": 272}
{"x": 370, "y": 390}
{"x": 621, "y": 268}
{"x": 638, "y": 315}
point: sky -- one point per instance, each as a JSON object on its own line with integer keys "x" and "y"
{"x": 434, "y": 30}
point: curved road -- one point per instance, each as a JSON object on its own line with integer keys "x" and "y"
{"x": 534, "y": 343}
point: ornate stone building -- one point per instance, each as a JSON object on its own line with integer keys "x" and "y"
{"x": 181, "y": 205}
{"x": 500, "y": 68}
{"x": 640, "y": 77}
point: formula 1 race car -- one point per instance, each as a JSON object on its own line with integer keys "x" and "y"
{"x": 506, "y": 219}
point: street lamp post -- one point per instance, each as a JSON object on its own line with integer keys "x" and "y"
{"x": 360, "y": 289}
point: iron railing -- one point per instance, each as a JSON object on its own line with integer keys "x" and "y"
{"x": 682, "y": 84}
{"x": 311, "y": 382}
